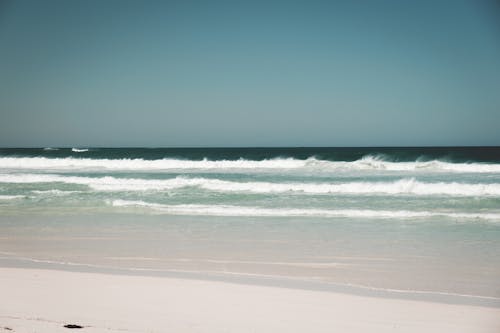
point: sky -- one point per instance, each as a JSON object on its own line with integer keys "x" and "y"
{"x": 251, "y": 73}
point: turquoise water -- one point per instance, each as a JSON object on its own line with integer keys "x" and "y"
{"x": 417, "y": 219}
{"x": 457, "y": 184}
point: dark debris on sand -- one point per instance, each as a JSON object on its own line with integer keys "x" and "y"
{"x": 73, "y": 326}
{"x": 7, "y": 328}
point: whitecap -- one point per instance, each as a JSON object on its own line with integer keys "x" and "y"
{"x": 230, "y": 210}
{"x": 408, "y": 186}
{"x": 11, "y": 197}
{"x": 310, "y": 165}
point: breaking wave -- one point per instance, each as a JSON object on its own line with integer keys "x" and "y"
{"x": 228, "y": 210}
{"x": 54, "y": 192}
{"x": 310, "y": 164}
{"x": 11, "y": 197}
{"x": 79, "y": 150}
{"x": 409, "y": 186}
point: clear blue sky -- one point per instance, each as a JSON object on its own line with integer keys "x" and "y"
{"x": 252, "y": 73}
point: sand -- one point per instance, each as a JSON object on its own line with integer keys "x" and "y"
{"x": 36, "y": 300}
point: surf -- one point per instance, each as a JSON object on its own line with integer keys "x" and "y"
{"x": 408, "y": 186}
{"x": 311, "y": 164}
{"x": 230, "y": 210}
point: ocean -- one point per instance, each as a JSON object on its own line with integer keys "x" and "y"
{"x": 403, "y": 220}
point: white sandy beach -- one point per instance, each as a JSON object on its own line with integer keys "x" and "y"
{"x": 35, "y": 300}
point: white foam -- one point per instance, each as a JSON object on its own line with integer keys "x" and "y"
{"x": 79, "y": 150}
{"x": 376, "y": 163}
{"x": 71, "y": 163}
{"x": 229, "y": 210}
{"x": 408, "y": 186}
{"x": 11, "y": 197}
{"x": 368, "y": 163}
{"x": 55, "y": 192}
{"x": 403, "y": 186}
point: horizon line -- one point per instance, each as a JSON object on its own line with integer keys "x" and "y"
{"x": 249, "y": 147}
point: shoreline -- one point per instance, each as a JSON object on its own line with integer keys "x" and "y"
{"x": 44, "y": 300}
{"x": 285, "y": 282}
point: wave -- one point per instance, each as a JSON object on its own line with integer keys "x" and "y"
{"x": 11, "y": 197}
{"x": 50, "y": 148}
{"x": 408, "y": 186}
{"x": 71, "y": 163}
{"x": 228, "y": 210}
{"x": 54, "y": 192}
{"x": 367, "y": 163}
{"x": 79, "y": 150}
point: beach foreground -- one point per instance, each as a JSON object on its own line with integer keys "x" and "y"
{"x": 36, "y": 300}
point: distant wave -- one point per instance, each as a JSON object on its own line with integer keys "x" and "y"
{"x": 71, "y": 163}
{"x": 402, "y": 186}
{"x": 79, "y": 150}
{"x": 11, "y": 197}
{"x": 282, "y": 164}
{"x": 54, "y": 192}
{"x": 49, "y": 148}
{"x": 227, "y": 210}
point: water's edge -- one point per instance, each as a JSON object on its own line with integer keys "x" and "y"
{"x": 260, "y": 280}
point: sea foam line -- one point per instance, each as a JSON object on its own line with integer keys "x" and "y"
{"x": 229, "y": 210}
{"x": 54, "y": 192}
{"x": 408, "y": 186}
{"x": 71, "y": 163}
{"x": 11, "y": 197}
{"x": 367, "y": 163}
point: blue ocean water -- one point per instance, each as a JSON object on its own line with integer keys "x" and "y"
{"x": 425, "y": 219}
